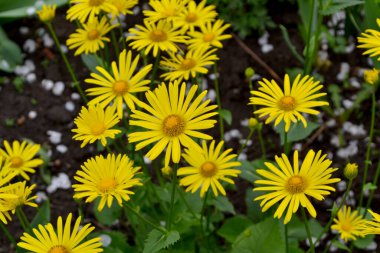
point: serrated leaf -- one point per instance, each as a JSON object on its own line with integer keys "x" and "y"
{"x": 340, "y": 245}
{"x": 157, "y": 240}
{"x": 296, "y": 132}
{"x": 369, "y": 186}
{"x": 233, "y": 227}
{"x": 363, "y": 243}
{"x": 226, "y": 115}
{"x": 223, "y": 204}
{"x": 107, "y": 216}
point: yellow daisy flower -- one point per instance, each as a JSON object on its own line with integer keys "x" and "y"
{"x": 372, "y": 227}
{"x": 47, "y": 239}
{"x": 195, "y": 15}
{"x": 47, "y": 13}
{"x": 157, "y": 36}
{"x": 19, "y": 157}
{"x": 94, "y": 124}
{"x": 91, "y": 38}
{"x": 106, "y": 178}
{"x": 123, "y": 7}
{"x": 349, "y": 224}
{"x": 299, "y": 97}
{"x": 182, "y": 67}
{"x": 210, "y": 34}
{"x": 5, "y": 177}
{"x": 22, "y": 193}
{"x": 81, "y": 9}
{"x": 173, "y": 117}
{"x": 371, "y": 76}
{"x": 291, "y": 186}
{"x": 371, "y": 41}
{"x": 165, "y": 9}
{"x": 121, "y": 84}
{"x": 207, "y": 168}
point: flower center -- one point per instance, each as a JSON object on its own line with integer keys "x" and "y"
{"x": 208, "y": 37}
{"x": 296, "y": 184}
{"x": 287, "y": 103}
{"x": 346, "y": 227}
{"x": 58, "y": 249}
{"x": 98, "y": 128}
{"x": 93, "y": 34}
{"x": 16, "y": 162}
{"x": 95, "y": 2}
{"x": 191, "y": 17}
{"x": 158, "y": 36}
{"x": 187, "y": 64}
{"x": 120, "y": 88}
{"x": 107, "y": 185}
{"x": 173, "y": 125}
{"x": 208, "y": 169}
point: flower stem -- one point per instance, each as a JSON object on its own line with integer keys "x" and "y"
{"x": 203, "y": 210}
{"x": 218, "y": 101}
{"x": 161, "y": 229}
{"x": 20, "y": 215}
{"x": 115, "y": 43}
{"x": 174, "y": 185}
{"x": 122, "y": 33}
{"x": 242, "y": 147}
{"x": 375, "y": 180}
{"x": 8, "y": 235}
{"x": 186, "y": 204}
{"x": 67, "y": 63}
{"x": 307, "y": 229}
{"x": 154, "y": 71}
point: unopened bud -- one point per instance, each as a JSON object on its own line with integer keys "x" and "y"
{"x": 371, "y": 76}
{"x": 351, "y": 171}
{"x": 167, "y": 171}
{"x": 47, "y": 13}
{"x": 252, "y": 123}
{"x": 249, "y": 72}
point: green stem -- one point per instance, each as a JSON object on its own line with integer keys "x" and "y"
{"x": 203, "y": 211}
{"x": 161, "y": 229}
{"x": 286, "y": 239}
{"x": 218, "y": 101}
{"x": 122, "y": 33}
{"x": 108, "y": 149}
{"x": 261, "y": 140}
{"x": 115, "y": 43}
{"x": 308, "y": 40}
{"x": 21, "y": 219}
{"x": 307, "y": 229}
{"x": 186, "y": 204}
{"x": 68, "y": 65}
{"x": 368, "y": 152}
{"x": 174, "y": 185}
{"x": 242, "y": 147}
{"x": 375, "y": 180}
{"x": 353, "y": 20}
{"x": 8, "y": 235}
{"x": 155, "y": 68}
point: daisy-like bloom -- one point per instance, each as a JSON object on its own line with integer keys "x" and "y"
{"x": 349, "y": 224}
{"x": 207, "y": 168}
{"x": 22, "y": 193}
{"x": 195, "y": 15}
{"x": 62, "y": 239}
{"x": 94, "y": 123}
{"x": 47, "y": 13}
{"x": 182, "y": 67}
{"x": 371, "y": 76}
{"x": 5, "y": 177}
{"x": 156, "y": 36}
{"x": 123, "y": 7}
{"x": 173, "y": 117}
{"x": 371, "y": 41}
{"x": 106, "y": 178}
{"x": 292, "y": 186}
{"x": 210, "y": 34}
{"x": 299, "y": 97}
{"x": 121, "y": 84}
{"x": 91, "y": 38}
{"x": 165, "y": 9}
{"x": 81, "y": 9}
{"x": 19, "y": 157}
{"x": 372, "y": 227}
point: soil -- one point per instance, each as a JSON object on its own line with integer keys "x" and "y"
{"x": 51, "y": 114}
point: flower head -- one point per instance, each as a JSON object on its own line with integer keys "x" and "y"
{"x": 173, "y": 117}
{"x": 287, "y": 105}
{"x": 119, "y": 85}
{"x": 22, "y": 196}
{"x": 207, "y": 168}
{"x": 123, "y": 7}
{"x": 292, "y": 185}
{"x": 91, "y": 37}
{"x": 210, "y": 34}
{"x": 349, "y": 224}
{"x": 183, "y": 67}
{"x": 19, "y": 157}
{"x": 351, "y": 171}
{"x": 165, "y": 9}
{"x": 5, "y": 177}
{"x": 47, "y": 13}
{"x": 81, "y": 9}
{"x": 155, "y": 36}
{"x": 62, "y": 239}
{"x": 371, "y": 41}
{"x": 371, "y": 76}
{"x": 107, "y": 179}
{"x": 95, "y": 123}
{"x": 372, "y": 227}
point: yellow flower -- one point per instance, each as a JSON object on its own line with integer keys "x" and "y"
{"x": 210, "y": 34}
{"x": 5, "y": 177}
{"x": 371, "y": 76}
{"x": 292, "y": 186}
{"x": 94, "y": 124}
{"x": 182, "y": 67}
{"x": 106, "y": 178}
{"x": 173, "y": 118}
{"x": 195, "y": 15}
{"x": 157, "y": 36}
{"x": 47, "y": 239}
{"x": 287, "y": 105}
{"x": 165, "y": 9}
{"x": 207, "y": 168}
{"x": 47, "y": 13}
{"x": 350, "y": 171}
{"x": 122, "y": 7}
{"x": 22, "y": 196}
{"x": 19, "y": 157}
{"x": 372, "y": 227}
{"x": 121, "y": 84}
{"x": 81, "y": 9}
{"x": 371, "y": 41}
{"x": 349, "y": 224}
{"x": 91, "y": 38}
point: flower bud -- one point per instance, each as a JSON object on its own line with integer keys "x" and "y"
{"x": 47, "y": 13}
{"x": 351, "y": 171}
{"x": 249, "y": 72}
{"x": 252, "y": 123}
{"x": 371, "y": 76}
{"x": 166, "y": 171}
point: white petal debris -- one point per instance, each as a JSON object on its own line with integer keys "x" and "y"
{"x": 47, "y": 84}
{"x": 105, "y": 240}
{"x": 61, "y": 148}
{"x": 350, "y": 150}
{"x": 62, "y": 181}
{"x": 69, "y": 106}
{"x": 58, "y": 88}
{"x": 54, "y": 136}
{"x": 32, "y": 114}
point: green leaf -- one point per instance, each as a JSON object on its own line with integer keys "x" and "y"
{"x": 10, "y": 53}
{"x": 248, "y": 171}
{"x": 223, "y": 204}
{"x": 91, "y": 61}
{"x": 335, "y": 96}
{"x": 157, "y": 241}
{"x": 226, "y": 115}
{"x": 233, "y": 227}
{"x": 340, "y": 245}
{"x": 338, "y": 5}
{"x": 118, "y": 242}
{"x": 43, "y": 215}
{"x": 369, "y": 186}
{"x": 290, "y": 45}
{"x": 296, "y": 132}
{"x": 363, "y": 243}
{"x": 107, "y": 216}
